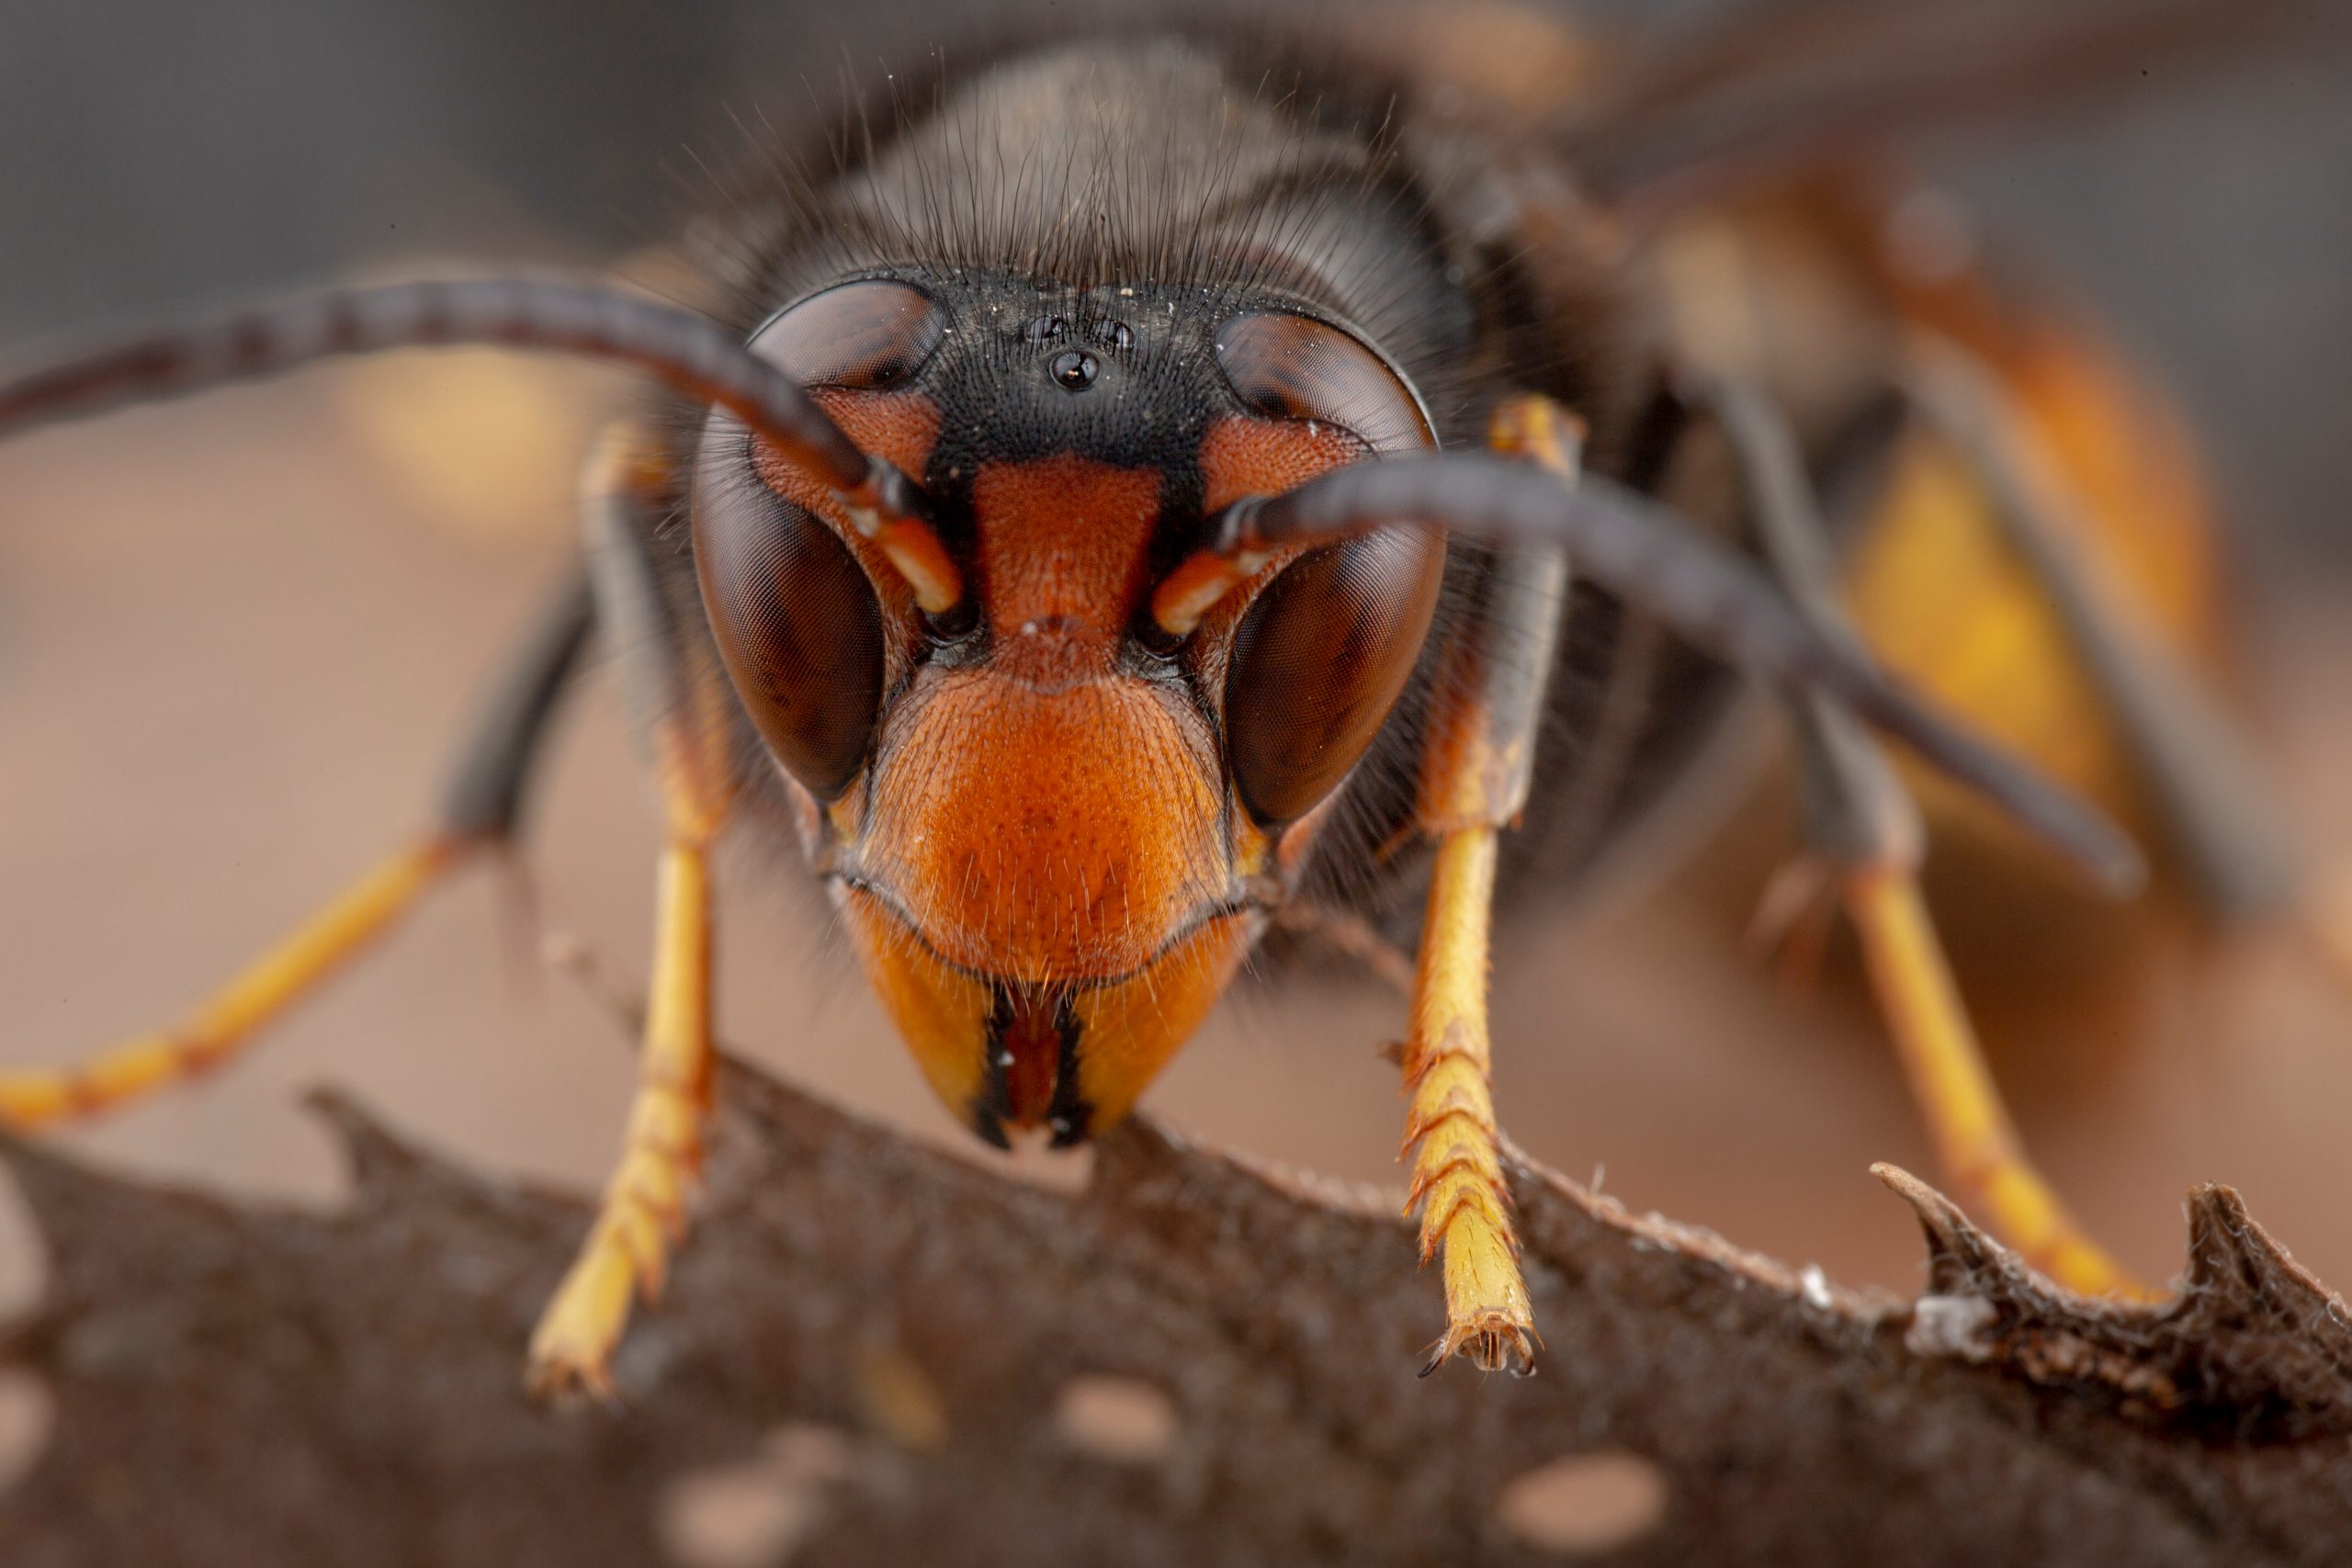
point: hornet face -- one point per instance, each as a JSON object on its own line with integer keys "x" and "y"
{"x": 1054, "y": 829}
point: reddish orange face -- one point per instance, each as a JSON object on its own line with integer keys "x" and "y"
{"x": 1053, "y": 828}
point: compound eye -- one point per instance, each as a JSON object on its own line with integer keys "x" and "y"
{"x": 1326, "y": 647}
{"x": 1291, "y": 367}
{"x": 795, "y": 617}
{"x": 1318, "y": 660}
{"x": 866, "y": 336}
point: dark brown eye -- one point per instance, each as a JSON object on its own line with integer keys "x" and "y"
{"x": 865, "y": 336}
{"x": 795, "y": 620}
{"x": 1327, "y": 645}
{"x": 1319, "y": 662}
{"x": 794, "y": 615}
{"x": 1288, "y": 366}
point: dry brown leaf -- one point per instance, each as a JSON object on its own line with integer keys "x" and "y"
{"x": 251, "y": 1385}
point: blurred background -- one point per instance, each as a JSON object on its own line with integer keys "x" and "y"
{"x": 237, "y": 637}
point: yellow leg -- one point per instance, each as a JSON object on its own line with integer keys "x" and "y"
{"x": 1450, "y": 1128}
{"x": 1977, "y": 1146}
{"x": 1475, "y": 780}
{"x": 1868, "y": 842}
{"x": 643, "y": 1214}
{"x": 233, "y": 1016}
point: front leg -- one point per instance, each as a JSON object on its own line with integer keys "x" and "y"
{"x": 1476, "y": 771}
{"x": 643, "y": 1213}
{"x": 677, "y": 703}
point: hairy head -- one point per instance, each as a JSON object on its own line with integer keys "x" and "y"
{"x": 1086, "y": 301}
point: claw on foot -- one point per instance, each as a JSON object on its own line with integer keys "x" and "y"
{"x": 626, "y": 1260}
{"x": 1494, "y": 1341}
{"x": 1489, "y": 1318}
{"x": 572, "y": 1349}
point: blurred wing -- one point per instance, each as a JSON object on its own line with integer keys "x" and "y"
{"x": 1801, "y": 81}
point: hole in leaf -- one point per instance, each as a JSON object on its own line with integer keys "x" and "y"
{"x": 757, "y": 1514}
{"x": 26, "y": 1415}
{"x": 24, "y": 1263}
{"x": 1124, "y": 1420}
{"x": 1584, "y": 1503}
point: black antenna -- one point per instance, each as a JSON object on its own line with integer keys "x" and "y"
{"x": 1657, "y": 559}
{"x": 687, "y": 351}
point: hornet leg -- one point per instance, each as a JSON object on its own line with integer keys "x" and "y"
{"x": 678, "y": 704}
{"x": 478, "y": 814}
{"x": 1863, "y": 828}
{"x": 1475, "y": 771}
